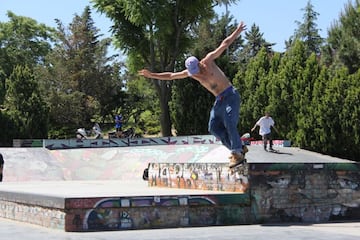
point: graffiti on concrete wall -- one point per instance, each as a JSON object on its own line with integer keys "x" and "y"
{"x": 155, "y": 212}
{"x": 115, "y": 213}
{"x": 127, "y": 142}
{"x": 201, "y": 176}
{"x": 306, "y": 192}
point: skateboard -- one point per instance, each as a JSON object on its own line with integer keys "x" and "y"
{"x": 278, "y": 152}
{"x": 273, "y": 150}
{"x": 239, "y": 164}
{"x": 239, "y": 167}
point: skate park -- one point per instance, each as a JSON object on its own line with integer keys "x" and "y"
{"x": 98, "y": 185}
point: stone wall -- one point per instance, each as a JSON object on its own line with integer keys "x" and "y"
{"x": 34, "y": 214}
{"x": 305, "y": 192}
{"x": 279, "y": 192}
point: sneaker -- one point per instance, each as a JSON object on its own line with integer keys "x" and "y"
{"x": 236, "y": 159}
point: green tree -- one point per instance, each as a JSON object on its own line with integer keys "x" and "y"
{"x": 308, "y": 32}
{"x": 343, "y": 44}
{"x": 255, "y": 41}
{"x": 26, "y": 105}
{"x": 284, "y": 102}
{"x": 23, "y": 41}
{"x": 318, "y": 141}
{"x": 333, "y": 103}
{"x": 303, "y": 93}
{"x": 141, "y": 107}
{"x": 9, "y": 131}
{"x": 156, "y": 34}
{"x": 349, "y": 137}
{"x": 255, "y": 95}
{"x": 80, "y": 74}
{"x": 335, "y": 114}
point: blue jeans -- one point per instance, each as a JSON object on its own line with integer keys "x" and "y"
{"x": 224, "y": 118}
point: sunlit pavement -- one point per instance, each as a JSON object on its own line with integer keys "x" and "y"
{"x": 342, "y": 231}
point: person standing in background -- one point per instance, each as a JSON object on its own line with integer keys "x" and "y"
{"x": 265, "y": 123}
{"x": 118, "y": 125}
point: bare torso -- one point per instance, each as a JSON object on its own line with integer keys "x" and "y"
{"x": 212, "y": 77}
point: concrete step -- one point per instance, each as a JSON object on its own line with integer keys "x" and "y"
{"x": 79, "y": 206}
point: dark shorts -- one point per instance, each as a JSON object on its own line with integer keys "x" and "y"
{"x": 267, "y": 136}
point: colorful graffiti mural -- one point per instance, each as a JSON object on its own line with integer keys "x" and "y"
{"x": 202, "y": 176}
{"x": 156, "y": 212}
{"x": 127, "y": 142}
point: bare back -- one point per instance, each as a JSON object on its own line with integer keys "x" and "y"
{"x": 212, "y": 77}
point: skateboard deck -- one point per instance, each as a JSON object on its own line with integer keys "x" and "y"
{"x": 235, "y": 168}
{"x": 278, "y": 152}
{"x": 239, "y": 168}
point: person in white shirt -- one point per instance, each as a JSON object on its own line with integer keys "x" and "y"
{"x": 265, "y": 123}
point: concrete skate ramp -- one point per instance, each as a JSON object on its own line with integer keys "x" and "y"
{"x": 128, "y": 163}
{"x": 118, "y": 163}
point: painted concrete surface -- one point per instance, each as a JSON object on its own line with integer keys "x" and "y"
{"x": 128, "y": 163}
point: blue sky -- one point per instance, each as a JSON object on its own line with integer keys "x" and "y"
{"x": 275, "y": 18}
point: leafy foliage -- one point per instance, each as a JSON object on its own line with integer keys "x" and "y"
{"x": 343, "y": 43}
{"x": 23, "y": 45}
{"x": 308, "y": 32}
{"x": 26, "y": 105}
{"x": 79, "y": 75}
{"x": 156, "y": 34}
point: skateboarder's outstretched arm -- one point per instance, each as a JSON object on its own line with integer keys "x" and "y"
{"x": 164, "y": 75}
{"x": 277, "y": 131}
{"x": 254, "y": 127}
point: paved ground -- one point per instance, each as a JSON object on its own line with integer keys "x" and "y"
{"x": 331, "y": 231}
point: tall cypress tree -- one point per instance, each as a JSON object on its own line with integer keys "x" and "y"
{"x": 26, "y": 105}
{"x": 303, "y": 90}
{"x": 343, "y": 44}
{"x": 255, "y": 96}
{"x": 308, "y": 32}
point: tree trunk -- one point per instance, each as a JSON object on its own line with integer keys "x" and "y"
{"x": 165, "y": 120}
